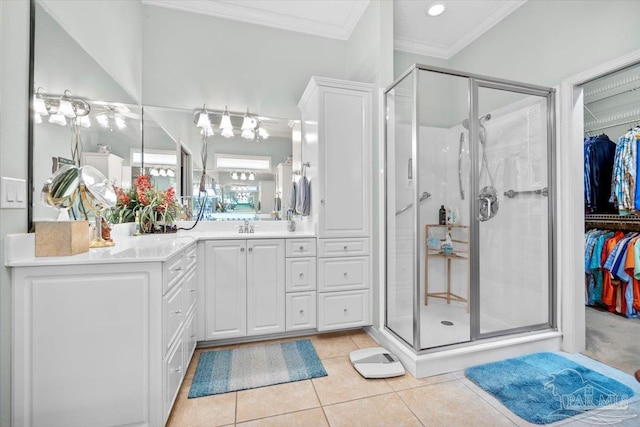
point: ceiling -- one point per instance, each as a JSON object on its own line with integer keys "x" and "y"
{"x": 414, "y": 31}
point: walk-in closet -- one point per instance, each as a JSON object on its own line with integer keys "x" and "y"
{"x": 612, "y": 217}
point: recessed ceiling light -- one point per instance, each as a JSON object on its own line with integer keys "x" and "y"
{"x": 436, "y": 9}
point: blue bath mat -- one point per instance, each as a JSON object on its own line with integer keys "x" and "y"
{"x": 243, "y": 368}
{"x": 544, "y": 387}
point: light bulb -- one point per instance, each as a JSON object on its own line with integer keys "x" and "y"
{"x": 83, "y": 121}
{"x": 39, "y": 106}
{"x": 58, "y": 119}
{"x": 248, "y": 134}
{"x": 203, "y": 120}
{"x": 162, "y": 172}
{"x": 66, "y": 109}
{"x": 252, "y": 177}
{"x": 436, "y": 9}
{"x": 243, "y": 176}
{"x": 207, "y": 132}
{"x": 248, "y": 122}
{"x": 171, "y": 173}
{"x": 225, "y": 123}
{"x": 103, "y": 120}
{"x": 120, "y": 122}
{"x": 263, "y": 133}
{"x": 234, "y": 175}
{"x": 37, "y": 118}
{"x": 227, "y": 133}
{"x": 153, "y": 172}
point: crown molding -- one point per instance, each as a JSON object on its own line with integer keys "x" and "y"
{"x": 446, "y": 52}
{"x": 243, "y": 13}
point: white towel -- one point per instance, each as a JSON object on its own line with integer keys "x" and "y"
{"x": 303, "y": 201}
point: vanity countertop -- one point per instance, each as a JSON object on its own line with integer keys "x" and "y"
{"x": 20, "y": 248}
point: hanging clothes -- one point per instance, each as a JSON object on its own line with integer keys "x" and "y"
{"x": 623, "y": 182}
{"x": 599, "y": 154}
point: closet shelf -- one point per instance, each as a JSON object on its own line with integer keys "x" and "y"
{"x": 612, "y": 121}
{"x": 612, "y": 221}
{"x": 628, "y": 84}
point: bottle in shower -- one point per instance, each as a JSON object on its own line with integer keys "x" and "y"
{"x": 442, "y": 215}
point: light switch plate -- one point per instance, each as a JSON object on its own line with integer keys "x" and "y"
{"x": 13, "y": 193}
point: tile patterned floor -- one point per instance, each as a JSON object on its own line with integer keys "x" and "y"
{"x": 344, "y": 398}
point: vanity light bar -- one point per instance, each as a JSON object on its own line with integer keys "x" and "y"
{"x": 62, "y": 105}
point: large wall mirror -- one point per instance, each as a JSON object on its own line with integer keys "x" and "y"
{"x": 109, "y": 128}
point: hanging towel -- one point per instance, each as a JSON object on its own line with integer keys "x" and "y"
{"x": 303, "y": 201}
{"x": 293, "y": 194}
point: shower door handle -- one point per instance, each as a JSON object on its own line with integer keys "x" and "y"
{"x": 460, "y": 165}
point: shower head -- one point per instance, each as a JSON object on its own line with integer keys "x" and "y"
{"x": 482, "y": 119}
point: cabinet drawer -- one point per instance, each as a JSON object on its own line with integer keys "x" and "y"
{"x": 190, "y": 257}
{"x": 189, "y": 340}
{"x": 172, "y": 375}
{"x": 172, "y": 271}
{"x": 172, "y": 316}
{"x": 341, "y": 274}
{"x": 189, "y": 288}
{"x": 301, "y": 274}
{"x": 301, "y": 247}
{"x": 343, "y": 247}
{"x": 339, "y": 310}
{"x": 301, "y": 311}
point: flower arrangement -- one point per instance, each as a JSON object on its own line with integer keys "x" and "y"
{"x": 156, "y": 209}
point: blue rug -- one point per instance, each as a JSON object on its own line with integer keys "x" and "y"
{"x": 544, "y": 388}
{"x": 243, "y": 368}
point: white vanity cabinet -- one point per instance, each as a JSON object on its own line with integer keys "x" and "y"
{"x": 336, "y": 141}
{"x": 103, "y": 344}
{"x": 244, "y": 288}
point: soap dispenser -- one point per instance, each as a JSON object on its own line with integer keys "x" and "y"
{"x": 291, "y": 224}
{"x": 442, "y": 215}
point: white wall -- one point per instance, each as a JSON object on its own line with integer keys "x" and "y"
{"x": 110, "y": 31}
{"x": 14, "y": 85}
{"x": 544, "y": 42}
{"x": 190, "y": 60}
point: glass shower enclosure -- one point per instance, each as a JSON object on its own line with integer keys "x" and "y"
{"x": 469, "y": 208}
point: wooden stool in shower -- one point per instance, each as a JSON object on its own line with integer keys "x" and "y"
{"x": 460, "y": 252}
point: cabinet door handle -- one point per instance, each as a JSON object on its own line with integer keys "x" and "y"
{"x": 345, "y": 274}
{"x": 177, "y": 312}
{"x": 346, "y": 248}
{"x": 322, "y": 201}
{"x": 345, "y": 311}
{"x": 192, "y": 290}
{"x": 301, "y": 248}
{"x": 301, "y": 312}
{"x": 192, "y": 256}
{"x": 301, "y": 275}
{"x": 250, "y": 250}
{"x": 177, "y": 370}
{"x": 177, "y": 269}
{"x": 193, "y": 336}
{"x": 242, "y": 250}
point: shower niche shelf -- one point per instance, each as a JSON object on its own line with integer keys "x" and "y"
{"x": 460, "y": 240}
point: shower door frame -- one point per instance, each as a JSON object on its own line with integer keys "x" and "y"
{"x": 476, "y": 81}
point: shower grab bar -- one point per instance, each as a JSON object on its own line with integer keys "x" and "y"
{"x": 423, "y": 196}
{"x": 460, "y": 165}
{"x": 512, "y": 193}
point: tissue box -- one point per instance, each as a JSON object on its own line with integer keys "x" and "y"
{"x": 61, "y": 238}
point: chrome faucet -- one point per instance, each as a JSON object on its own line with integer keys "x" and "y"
{"x": 246, "y": 228}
